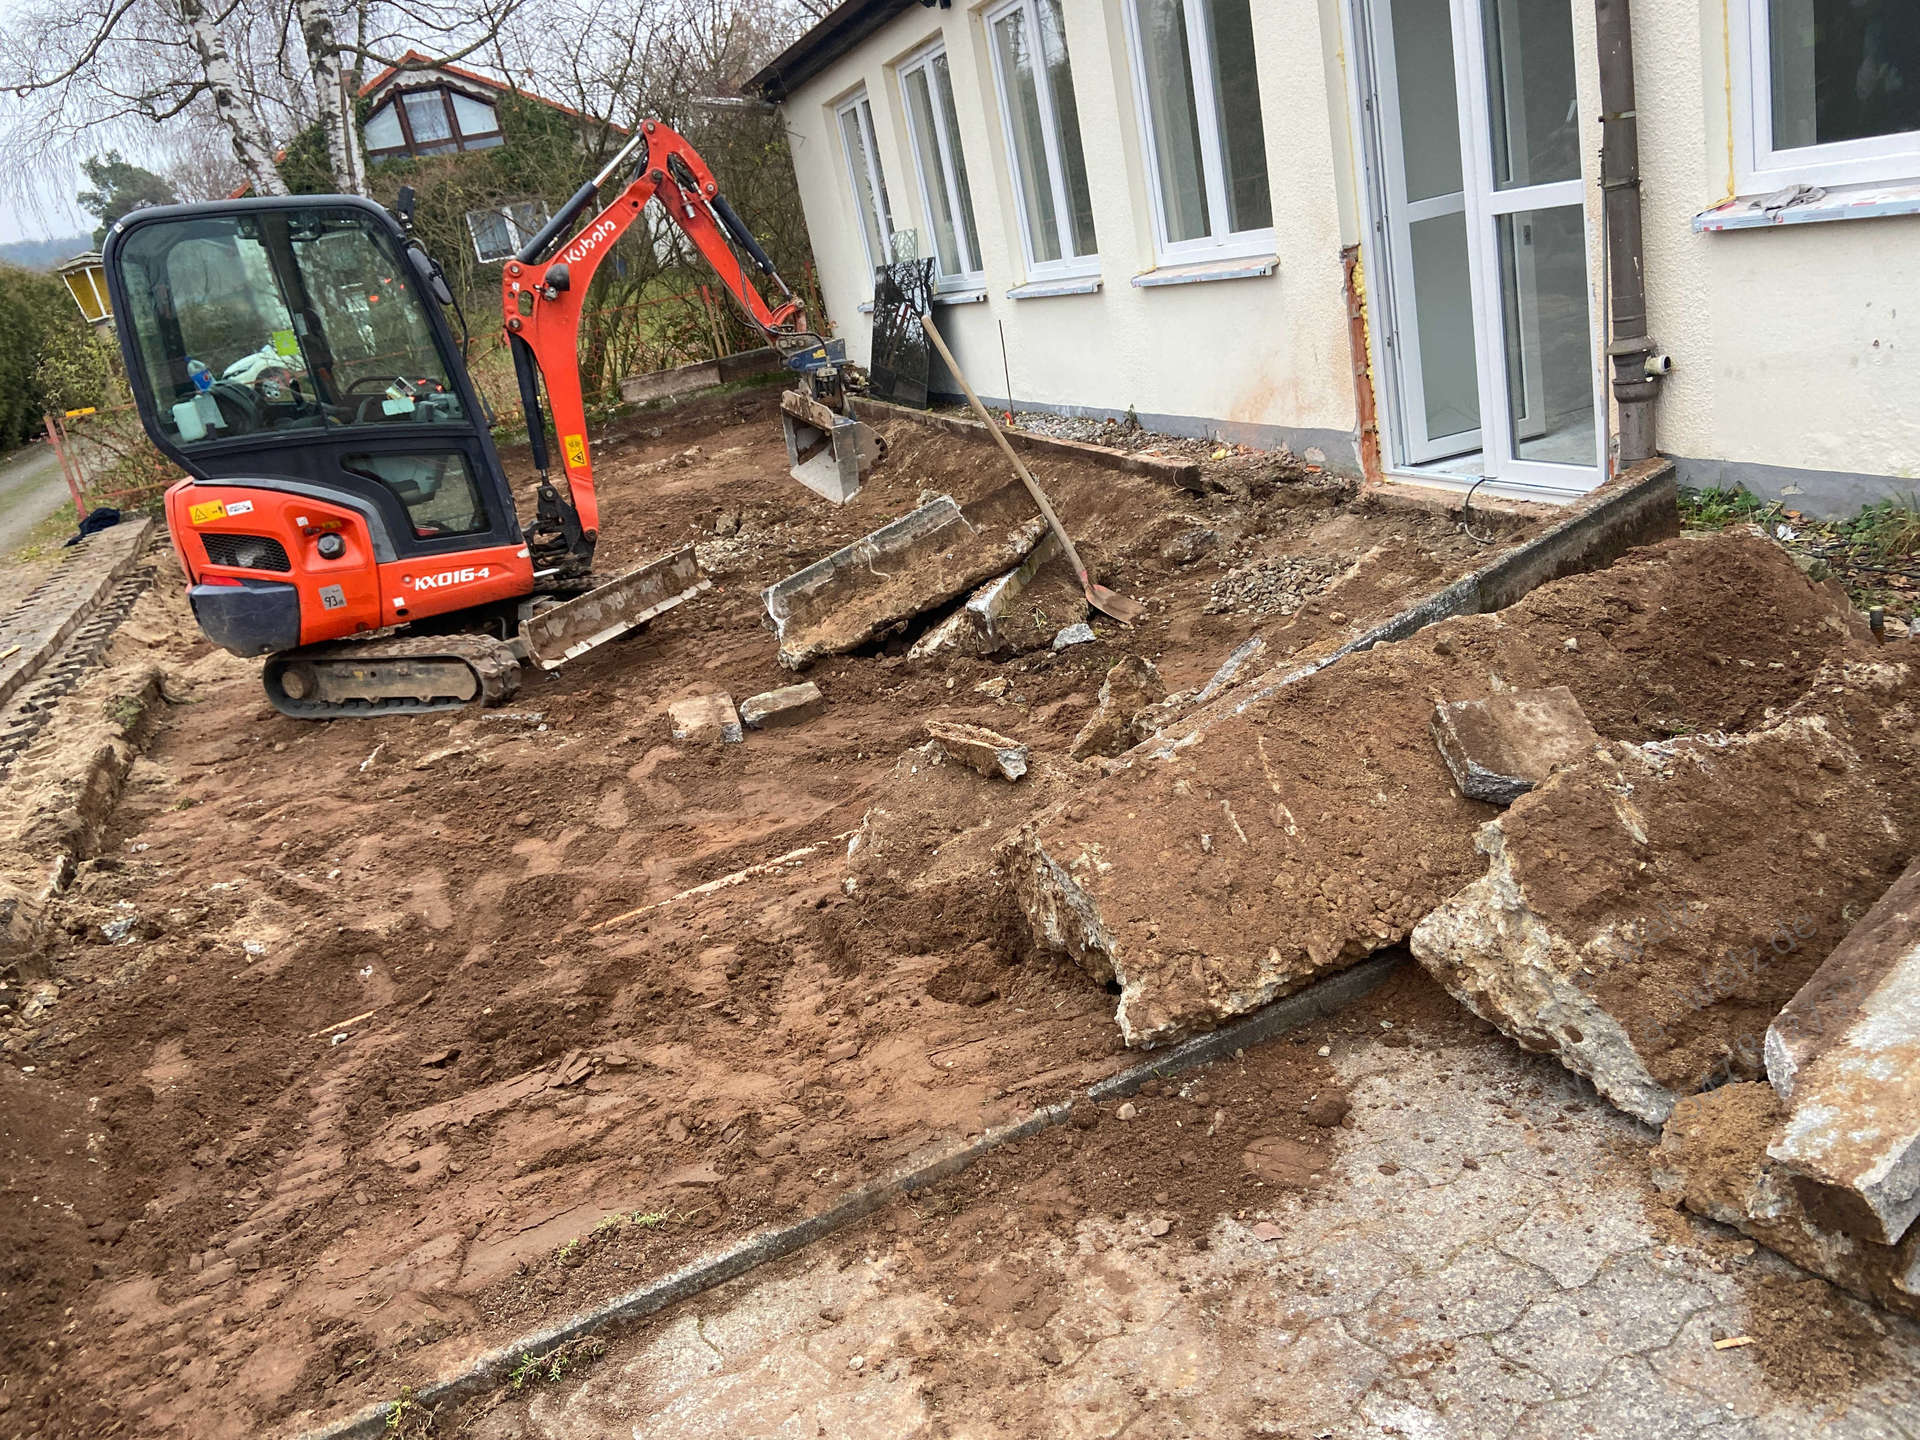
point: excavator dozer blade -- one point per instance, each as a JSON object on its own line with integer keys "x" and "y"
{"x": 608, "y": 611}
{"x": 827, "y": 452}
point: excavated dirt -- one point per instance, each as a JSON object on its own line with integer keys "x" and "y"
{"x": 351, "y": 1060}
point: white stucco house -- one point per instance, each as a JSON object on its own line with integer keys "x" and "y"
{"x": 1378, "y": 230}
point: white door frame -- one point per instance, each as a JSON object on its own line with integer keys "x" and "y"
{"x": 1526, "y": 478}
{"x": 1397, "y": 216}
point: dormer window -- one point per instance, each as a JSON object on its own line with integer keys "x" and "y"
{"x": 431, "y": 120}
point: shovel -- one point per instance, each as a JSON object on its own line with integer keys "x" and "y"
{"x": 1121, "y": 608}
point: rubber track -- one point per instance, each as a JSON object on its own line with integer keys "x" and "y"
{"x": 489, "y": 659}
{"x": 33, "y": 704}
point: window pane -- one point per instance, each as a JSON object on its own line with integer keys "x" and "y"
{"x": 1429, "y": 110}
{"x": 490, "y": 238}
{"x": 855, "y": 139}
{"x": 1550, "y": 359}
{"x": 475, "y": 116}
{"x": 1166, "y": 63}
{"x": 1844, "y": 70}
{"x": 427, "y": 114}
{"x": 1531, "y": 105}
{"x": 435, "y": 485}
{"x": 1015, "y": 58}
{"x": 1066, "y": 121}
{"x": 1442, "y": 282}
{"x": 933, "y": 172}
{"x": 383, "y": 129}
{"x": 943, "y": 92}
{"x": 1236, "y": 89}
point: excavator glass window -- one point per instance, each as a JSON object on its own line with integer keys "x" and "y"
{"x": 280, "y": 320}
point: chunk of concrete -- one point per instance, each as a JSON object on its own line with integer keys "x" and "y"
{"x": 981, "y": 749}
{"x": 1011, "y": 614}
{"x": 789, "y": 705}
{"x": 1845, "y": 1055}
{"x": 1499, "y": 748}
{"x": 1642, "y": 916}
{"x": 1714, "y": 1158}
{"x": 901, "y": 570}
{"x": 1130, "y": 688}
{"x": 705, "y": 720}
{"x": 1081, "y": 634}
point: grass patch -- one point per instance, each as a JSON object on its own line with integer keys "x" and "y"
{"x": 1716, "y": 509}
{"x": 47, "y": 536}
{"x": 1887, "y": 529}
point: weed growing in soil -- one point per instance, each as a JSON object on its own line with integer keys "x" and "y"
{"x": 556, "y": 1364}
{"x": 1716, "y": 509}
{"x": 409, "y": 1419}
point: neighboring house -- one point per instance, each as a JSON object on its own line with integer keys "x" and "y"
{"x": 423, "y": 107}
{"x": 1159, "y": 204}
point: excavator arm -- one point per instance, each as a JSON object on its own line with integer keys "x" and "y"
{"x": 541, "y": 300}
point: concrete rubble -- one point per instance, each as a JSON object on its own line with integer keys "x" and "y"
{"x": 1011, "y": 614}
{"x": 1639, "y": 917}
{"x": 789, "y": 705}
{"x": 904, "y": 569}
{"x": 1714, "y": 1159}
{"x": 705, "y": 720}
{"x": 1499, "y": 748}
{"x": 1080, "y": 634}
{"x": 1130, "y": 689}
{"x": 986, "y": 751}
{"x": 1304, "y": 820}
{"x": 1844, "y": 1057}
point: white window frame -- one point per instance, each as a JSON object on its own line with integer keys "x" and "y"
{"x": 974, "y": 275}
{"x": 1221, "y": 244}
{"x": 515, "y": 235}
{"x": 862, "y": 108}
{"x": 1759, "y": 168}
{"x": 1067, "y": 267}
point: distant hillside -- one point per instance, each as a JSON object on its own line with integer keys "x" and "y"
{"x": 45, "y": 254}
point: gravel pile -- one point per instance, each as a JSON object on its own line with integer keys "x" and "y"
{"x": 1271, "y": 587}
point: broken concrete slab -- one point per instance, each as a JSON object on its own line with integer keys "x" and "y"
{"x": 705, "y": 720}
{"x": 1011, "y": 614}
{"x": 1845, "y": 1057}
{"x": 1641, "y": 917}
{"x": 1714, "y": 1158}
{"x": 789, "y": 705}
{"x": 1499, "y": 748}
{"x": 1081, "y": 634}
{"x": 901, "y": 570}
{"x": 1130, "y": 688}
{"x": 1306, "y": 826}
{"x": 987, "y": 751}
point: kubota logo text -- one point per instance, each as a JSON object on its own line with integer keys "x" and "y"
{"x": 449, "y": 577}
{"x": 583, "y": 247}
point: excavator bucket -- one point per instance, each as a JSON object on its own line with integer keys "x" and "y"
{"x": 827, "y": 452}
{"x": 568, "y": 630}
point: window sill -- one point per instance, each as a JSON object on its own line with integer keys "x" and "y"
{"x": 975, "y": 295}
{"x": 1040, "y": 289}
{"x": 1205, "y": 270}
{"x": 865, "y": 307}
{"x": 1849, "y": 202}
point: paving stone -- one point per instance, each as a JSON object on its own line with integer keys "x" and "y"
{"x": 789, "y": 705}
{"x": 1499, "y": 748}
{"x": 705, "y": 720}
{"x": 1845, "y": 1056}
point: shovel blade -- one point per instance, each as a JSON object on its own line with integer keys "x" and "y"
{"x": 1120, "y": 607}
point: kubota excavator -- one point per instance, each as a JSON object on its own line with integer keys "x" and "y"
{"x": 292, "y": 355}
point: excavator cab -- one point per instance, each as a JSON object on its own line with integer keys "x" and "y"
{"x": 292, "y": 356}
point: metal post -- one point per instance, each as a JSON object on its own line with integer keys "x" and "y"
{"x": 1631, "y": 351}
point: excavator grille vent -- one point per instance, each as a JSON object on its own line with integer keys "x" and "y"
{"x": 246, "y": 552}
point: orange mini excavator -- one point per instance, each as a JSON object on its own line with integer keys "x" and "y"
{"x": 344, "y": 512}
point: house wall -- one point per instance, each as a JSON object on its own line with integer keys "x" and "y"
{"x": 1262, "y": 359}
{"x": 1796, "y": 362}
{"x": 1796, "y": 348}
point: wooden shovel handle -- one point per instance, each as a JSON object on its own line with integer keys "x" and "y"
{"x": 1033, "y": 486}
